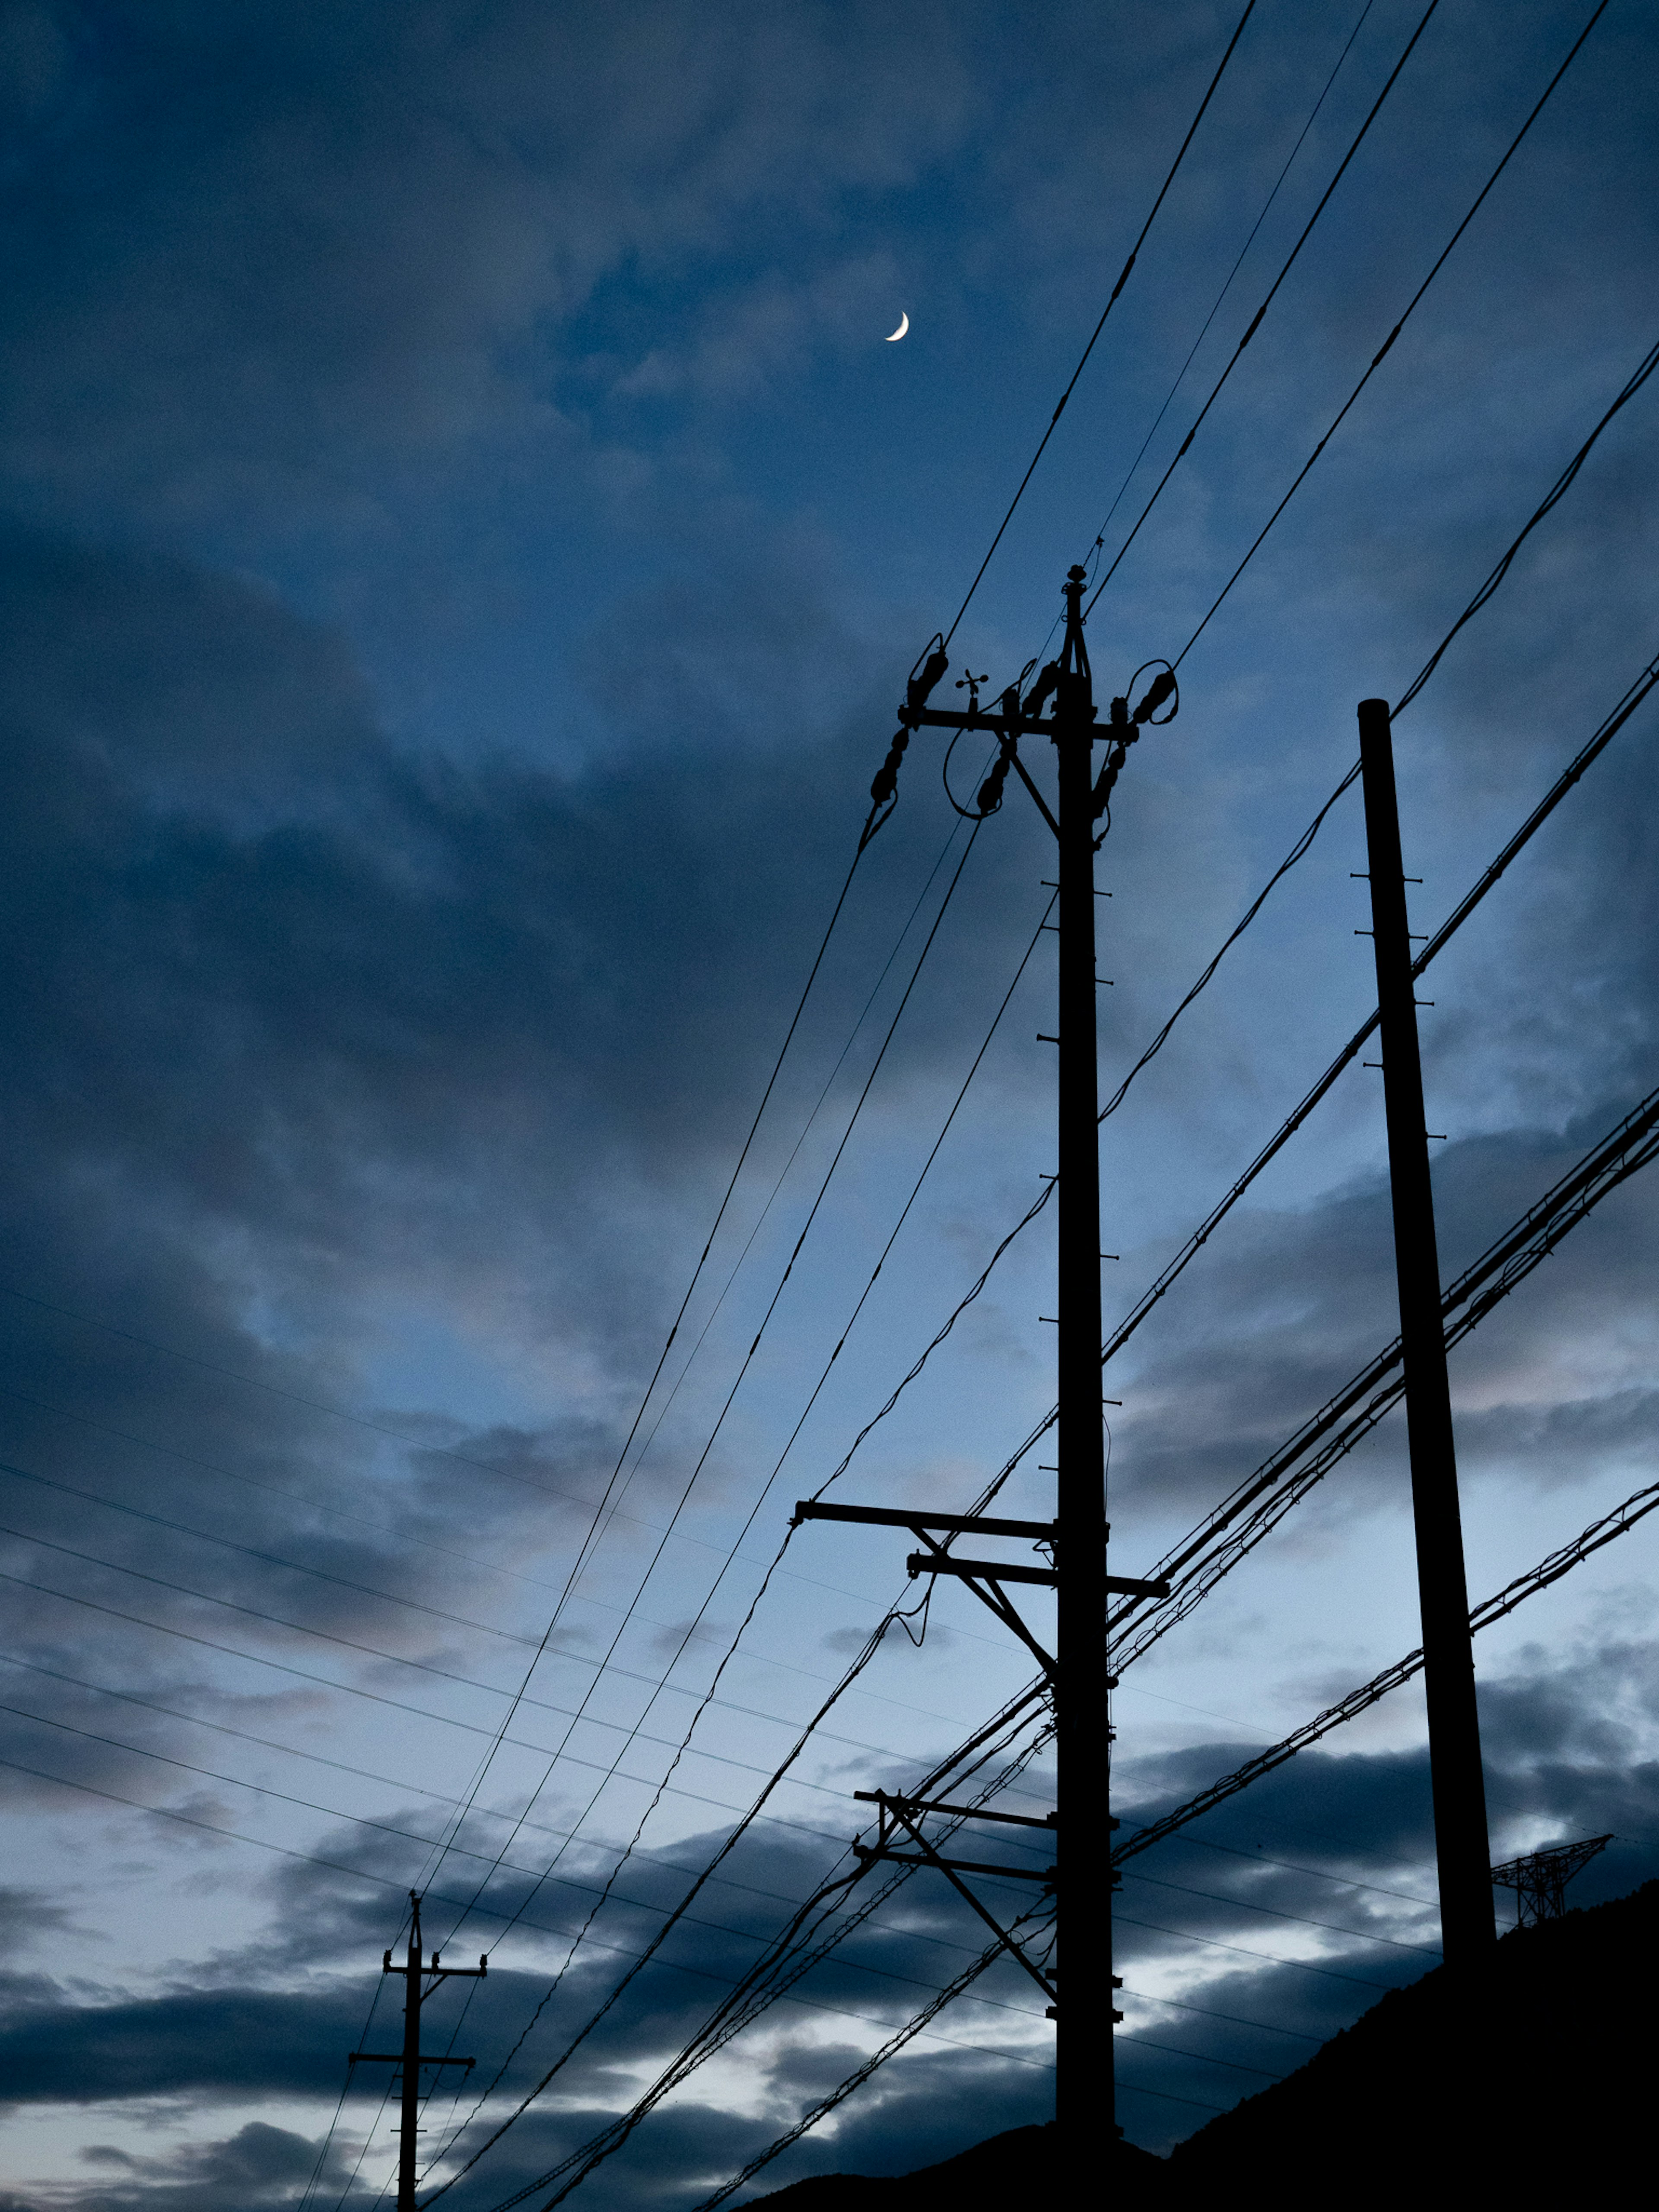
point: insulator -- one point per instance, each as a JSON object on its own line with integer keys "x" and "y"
{"x": 916, "y": 690}
{"x": 886, "y": 778}
{"x": 1157, "y": 692}
{"x": 1041, "y": 689}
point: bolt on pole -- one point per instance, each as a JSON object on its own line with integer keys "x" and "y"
{"x": 1084, "y": 2087}
{"x": 1461, "y": 1848}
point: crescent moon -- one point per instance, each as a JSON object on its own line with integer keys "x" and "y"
{"x": 905, "y": 323}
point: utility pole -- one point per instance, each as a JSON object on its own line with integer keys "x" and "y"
{"x": 1085, "y": 2079}
{"x": 1462, "y": 1849}
{"x": 1078, "y": 1676}
{"x": 411, "y": 2058}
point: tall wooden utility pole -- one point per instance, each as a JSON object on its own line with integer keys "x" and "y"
{"x": 1077, "y": 1676}
{"x": 1462, "y": 1849}
{"x": 1085, "y": 2086}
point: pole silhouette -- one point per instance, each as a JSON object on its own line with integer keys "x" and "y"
{"x": 1462, "y": 1849}
{"x": 411, "y": 2058}
{"x": 1085, "y": 2086}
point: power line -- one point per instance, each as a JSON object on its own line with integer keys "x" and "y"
{"x": 794, "y": 1153}
{"x": 714, "y": 2034}
{"x": 360, "y": 1772}
{"x": 835, "y": 1353}
{"x": 1214, "y": 1943}
{"x": 1209, "y": 1553}
{"x": 743, "y": 1371}
{"x": 1297, "y": 852}
{"x": 1233, "y": 2019}
{"x": 217, "y": 1469}
{"x": 704, "y": 2044}
{"x": 1123, "y": 280}
{"x": 1388, "y": 343}
{"x": 1273, "y": 289}
{"x": 354, "y": 1820}
{"x": 1549, "y": 1569}
{"x": 1316, "y": 1874}
{"x": 1204, "y": 329}
{"x": 387, "y": 1881}
{"x": 1558, "y": 491}
{"x": 1205, "y": 2057}
{"x": 1610, "y": 726}
{"x": 595, "y": 1529}
{"x": 837, "y": 2096}
{"x": 469, "y": 1681}
{"x": 1275, "y": 1912}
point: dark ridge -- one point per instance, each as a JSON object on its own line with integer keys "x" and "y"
{"x": 1537, "y": 2064}
{"x": 1004, "y": 2170}
{"x": 1535, "y": 2069}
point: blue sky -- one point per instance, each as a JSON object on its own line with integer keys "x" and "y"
{"x": 463, "y": 531}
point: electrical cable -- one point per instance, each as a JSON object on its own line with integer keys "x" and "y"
{"x": 1117, "y": 289}
{"x": 1246, "y": 1905}
{"x": 1297, "y": 852}
{"x": 731, "y": 2016}
{"x": 904, "y": 1213}
{"x": 783, "y": 1173}
{"x": 1638, "y": 691}
{"x": 835, "y": 1353}
{"x": 1385, "y": 346}
{"x": 1202, "y": 1558}
{"x": 360, "y": 1772}
{"x": 1635, "y": 693}
{"x": 1557, "y": 492}
{"x": 826, "y": 2105}
{"x": 597, "y": 1526}
{"x": 1548, "y": 1572}
{"x": 1120, "y": 2042}
{"x": 755, "y": 1601}
{"x": 743, "y": 1371}
{"x": 395, "y": 1658}
{"x": 1256, "y": 324}
{"x": 1233, "y": 2019}
{"x": 1011, "y": 1715}
{"x": 1204, "y": 330}
{"x": 1213, "y": 1944}
{"x": 216, "y": 1468}
{"x": 387, "y": 1881}
{"x": 730, "y": 1843}
{"x": 1316, "y": 1874}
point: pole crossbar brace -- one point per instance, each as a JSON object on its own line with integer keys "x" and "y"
{"x": 990, "y": 1570}
{"x": 870, "y": 1852}
{"x": 927, "y": 1562}
{"x": 891, "y": 1809}
{"x": 956, "y": 1812}
{"x": 954, "y": 1524}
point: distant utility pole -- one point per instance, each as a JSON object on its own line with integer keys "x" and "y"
{"x": 1461, "y": 1849}
{"x": 411, "y": 2057}
{"x": 1077, "y": 1673}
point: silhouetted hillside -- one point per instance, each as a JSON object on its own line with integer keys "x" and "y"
{"x": 1538, "y": 2067}
{"x": 1004, "y": 2170}
{"x": 1537, "y": 2070}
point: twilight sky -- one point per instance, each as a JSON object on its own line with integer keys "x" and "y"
{"x": 462, "y": 535}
